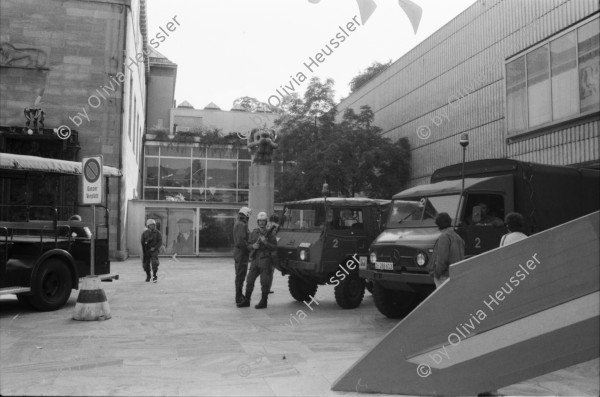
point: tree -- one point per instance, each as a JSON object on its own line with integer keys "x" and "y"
{"x": 365, "y": 76}
{"x": 351, "y": 155}
{"x": 250, "y": 104}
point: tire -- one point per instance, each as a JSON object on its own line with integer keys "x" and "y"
{"x": 300, "y": 289}
{"x": 369, "y": 285}
{"x": 394, "y": 304}
{"x": 349, "y": 292}
{"x": 52, "y": 285}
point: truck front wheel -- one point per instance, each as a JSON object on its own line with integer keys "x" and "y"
{"x": 394, "y": 304}
{"x": 300, "y": 289}
{"x": 349, "y": 292}
{"x": 51, "y": 286}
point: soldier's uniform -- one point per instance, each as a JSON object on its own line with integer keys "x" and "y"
{"x": 240, "y": 254}
{"x": 262, "y": 263}
{"x": 151, "y": 243}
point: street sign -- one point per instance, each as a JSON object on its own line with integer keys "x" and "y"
{"x": 91, "y": 180}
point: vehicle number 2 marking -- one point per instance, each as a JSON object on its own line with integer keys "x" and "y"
{"x": 335, "y": 243}
{"x": 477, "y": 242}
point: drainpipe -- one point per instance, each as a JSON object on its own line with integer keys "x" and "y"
{"x": 125, "y": 9}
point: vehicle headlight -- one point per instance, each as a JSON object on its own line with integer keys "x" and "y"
{"x": 373, "y": 257}
{"x": 303, "y": 255}
{"x": 421, "y": 258}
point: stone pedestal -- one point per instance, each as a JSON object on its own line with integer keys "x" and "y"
{"x": 262, "y": 191}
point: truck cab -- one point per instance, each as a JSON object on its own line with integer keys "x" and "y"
{"x": 320, "y": 242}
{"x": 399, "y": 257}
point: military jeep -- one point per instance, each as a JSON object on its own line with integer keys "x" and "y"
{"x": 321, "y": 241}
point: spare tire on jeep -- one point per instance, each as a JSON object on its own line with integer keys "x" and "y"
{"x": 300, "y": 289}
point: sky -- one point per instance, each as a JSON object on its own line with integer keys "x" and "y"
{"x": 226, "y": 49}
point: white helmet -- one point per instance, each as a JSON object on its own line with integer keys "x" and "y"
{"x": 245, "y": 211}
{"x": 262, "y": 216}
{"x": 150, "y": 222}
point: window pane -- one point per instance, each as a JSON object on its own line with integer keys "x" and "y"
{"x": 175, "y": 151}
{"x": 152, "y": 150}
{"x": 198, "y": 173}
{"x": 175, "y": 172}
{"x": 242, "y": 196}
{"x": 565, "y": 92}
{"x": 244, "y": 154}
{"x": 222, "y": 174}
{"x": 538, "y": 86}
{"x": 243, "y": 174}
{"x": 516, "y": 96}
{"x": 589, "y": 65}
{"x": 182, "y": 237}
{"x": 150, "y": 194}
{"x": 171, "y": 194}
{"x": 215, "y": 229}
{"x": 221, "y": 153}
{"x": 198, "y": 195}
{"x": 151, "y": 172}
{"x": 199, "y": 152}
{"x": 221, "y": 196}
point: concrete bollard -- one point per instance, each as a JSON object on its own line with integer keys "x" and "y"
{"x": 92, "y": 304}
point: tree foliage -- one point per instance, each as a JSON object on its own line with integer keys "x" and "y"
{"x": 250, "y": 104}
{"x": 351, "y": 155}
{"x": 365, "y": 76}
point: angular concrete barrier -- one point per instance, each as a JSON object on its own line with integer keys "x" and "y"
{"x": 503, "y": 317}
{"x": 91, "y": 303}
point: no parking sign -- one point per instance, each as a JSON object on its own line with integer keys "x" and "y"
{"x": 91, "y": 171}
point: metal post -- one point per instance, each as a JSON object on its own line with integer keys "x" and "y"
{"x": 93, "y": 242}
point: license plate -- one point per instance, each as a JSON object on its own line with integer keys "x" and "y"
{"x": 384, "y": 265}
{"x": 363, "y": 262}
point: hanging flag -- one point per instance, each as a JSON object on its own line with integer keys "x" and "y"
{"x": 367, "y": 8}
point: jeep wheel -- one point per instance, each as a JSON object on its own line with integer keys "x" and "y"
{"x": 300, "y": 289}
{"x": 51, "y": 286}
{"x": 349, "y": 292}
{"x": 392, "y": 303}
{"x": 369, "y": 285}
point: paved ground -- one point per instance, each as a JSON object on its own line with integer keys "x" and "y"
{"x": 185, "y": 337}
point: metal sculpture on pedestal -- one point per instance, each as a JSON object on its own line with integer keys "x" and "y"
{"x": 261, "y": 144}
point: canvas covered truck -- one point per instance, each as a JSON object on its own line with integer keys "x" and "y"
{"x": 320, "y": 241}
{"x": 43, "y": 254}
{"x": 545, "y": 195}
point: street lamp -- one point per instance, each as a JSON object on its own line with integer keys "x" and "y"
{"x": 464, "y": 142}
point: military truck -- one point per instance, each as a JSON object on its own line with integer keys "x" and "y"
{"x": 545, "y": 195}
{"x": 320, "y": 241}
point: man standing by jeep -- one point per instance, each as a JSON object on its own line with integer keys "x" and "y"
{"x": 262, "y": 245}
{"x": 240, "y": 251}
{"x": 151, "y": 243}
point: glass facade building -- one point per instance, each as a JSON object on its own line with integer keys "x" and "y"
{"x": 193, "y": 192}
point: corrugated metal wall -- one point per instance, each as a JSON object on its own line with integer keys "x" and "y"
{"x": 453, "y": 82}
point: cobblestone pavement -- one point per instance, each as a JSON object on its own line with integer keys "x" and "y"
{"x": 184, "y": 336}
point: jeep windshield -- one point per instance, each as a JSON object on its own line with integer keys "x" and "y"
{"x": 304, "y": 217}
{"x": 421, "y": 212}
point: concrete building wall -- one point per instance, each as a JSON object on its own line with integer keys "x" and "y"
{"x": 161, "y": 91}
{"x": 454, "y": 82}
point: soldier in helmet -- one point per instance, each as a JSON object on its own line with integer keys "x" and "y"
{"x": 240, "y": 251}
{"x": 151, "y": 243}
{"x": 263, "y": 245}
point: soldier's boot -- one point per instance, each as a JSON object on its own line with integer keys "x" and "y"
{"x": 147, "y": 276}
{"x": 238, "y": 295}
{"x": 154, "y": 277}
{"x": 263, "y": 302}
{"x": 246, "y": 301}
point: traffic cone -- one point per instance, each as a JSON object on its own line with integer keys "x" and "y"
{"x": 92, "y": 304}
